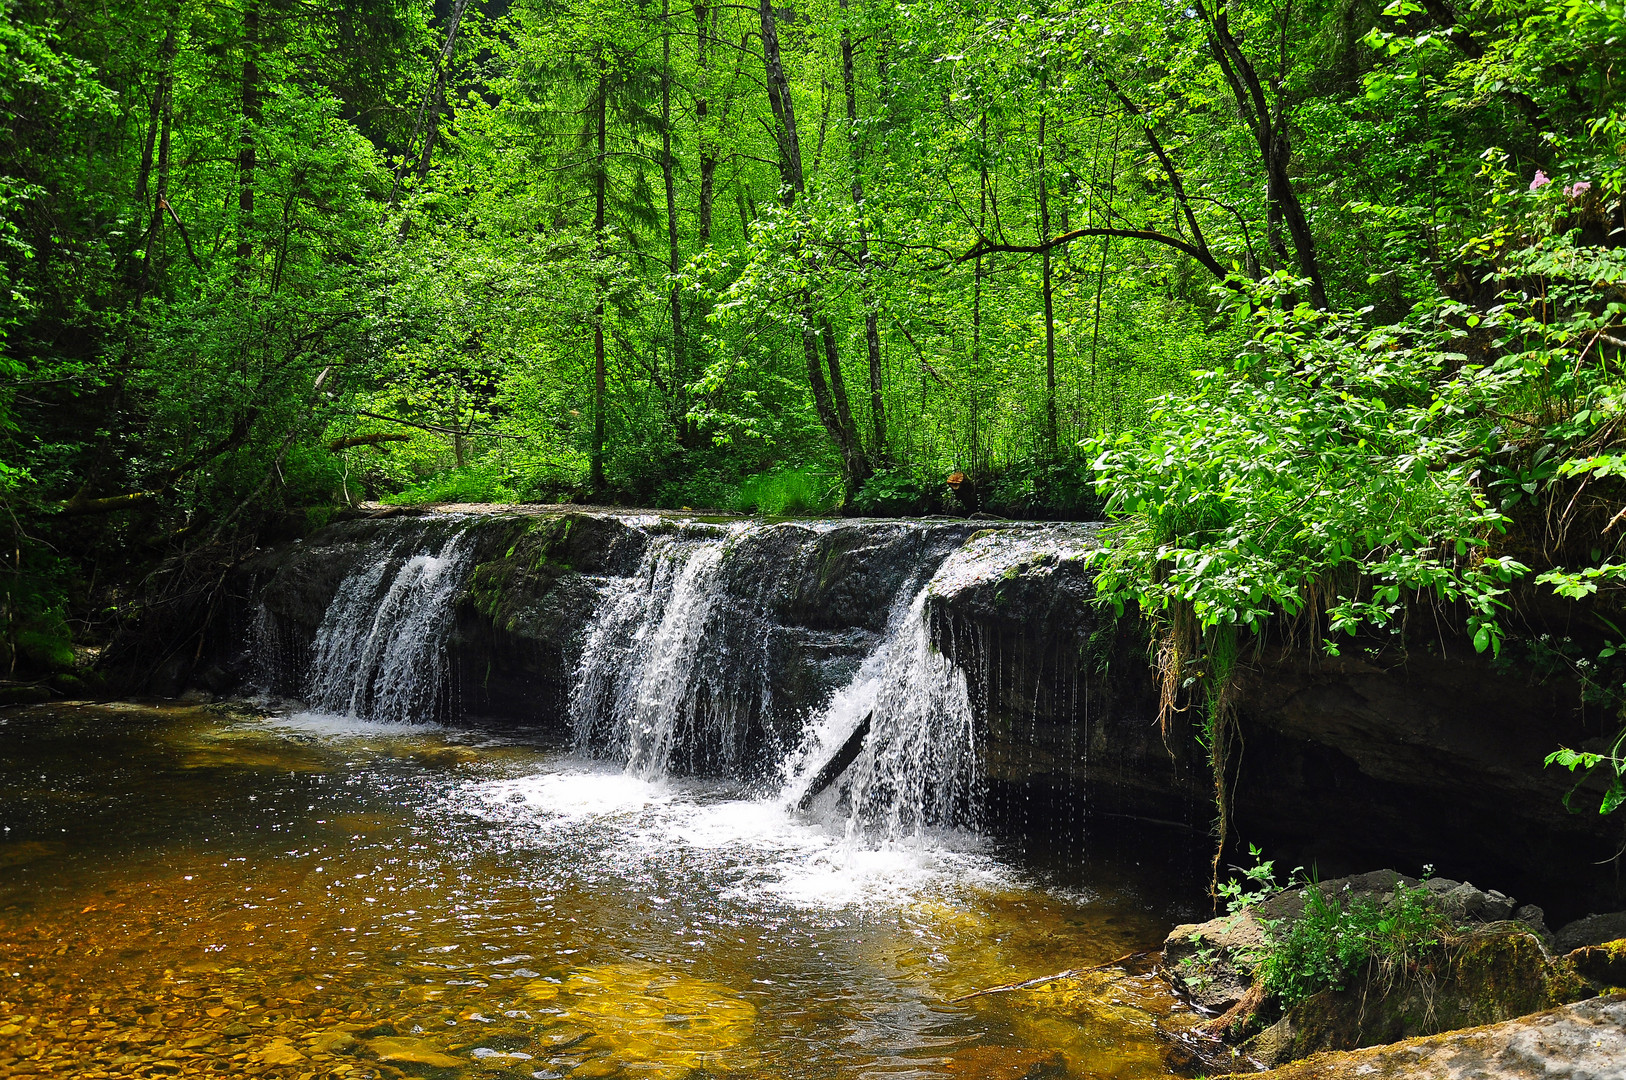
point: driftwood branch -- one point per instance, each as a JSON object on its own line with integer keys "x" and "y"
{"x": 438, "y": 429}
{"x": 1043, "y": 979}
{"x": 78, "y": 507}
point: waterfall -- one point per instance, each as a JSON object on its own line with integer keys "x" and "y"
{"x": 665, "y": 679}
{"x": 650, "y": 681}
{"x": 918, "y": 765}
{"x": 380, "y": 652}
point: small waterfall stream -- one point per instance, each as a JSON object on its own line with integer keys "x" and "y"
{"x": 380, "y": 653}
{"x": 652, "y": 677}
{"x": 918, "y": 764}
{"x": 646, "y": 677}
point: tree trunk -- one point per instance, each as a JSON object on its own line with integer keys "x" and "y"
{"x": 829, "y": 397}
{"x": 457, "y": 426}
{"x": 702, "y": 114}
{"x": 784, "y": 109}
{"x": 872, "y": 333}
{"x": 975, "y": 383}
{"x": 680, "y": 350}
{"x": 1101, "y": 275}
{"x": 435, "y": 103}
{"x": 600, "y": 180}
{"x": 248, "y": 136}
{"x": 1051, "y": 434}
{"x": 158, "y": 136}
{"x": 1269, "y": 128}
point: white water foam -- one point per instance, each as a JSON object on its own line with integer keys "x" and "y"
{"x": 918, "y": 766}
{"x": 643, "y": 664}
{"x": 748, "y": 848}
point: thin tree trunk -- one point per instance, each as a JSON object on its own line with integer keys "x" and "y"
{"x": 435, "y": 103}
{"x": 600, "y": 180}
{"x": 702, "y": 114}
{"x": 1051, "y": 434}
{"x": 1101, "y": 275}
{"x": 829, "y": 396}
{"x": 680, "y": 351}
{"x": 872, "y": 332}
{"x": 248, "y": 135}
{"x": 976, "y": 382}
{"x": 1269, "y": 128}
{"x": 784, "y": 109}
{"x": 457, "y": 426}
{"x": 158, "y": 135}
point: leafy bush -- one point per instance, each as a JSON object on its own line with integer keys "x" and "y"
{"x": 703, "y": 489}
{"x": 1061, "y": 489}
{"x": 1330, "y": 474}
{"x": 1336, "y": 938}
{"x": 808, "y": 490}
{"x": 900, "y": 489}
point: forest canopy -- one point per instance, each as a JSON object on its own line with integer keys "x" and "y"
{"x": 1322, "y": 300}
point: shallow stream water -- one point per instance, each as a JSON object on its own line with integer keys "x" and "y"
{"x": 204, "y": 891}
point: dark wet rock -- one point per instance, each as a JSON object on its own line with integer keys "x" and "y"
{"x": 1602, "y": 965}
{"x": 1583, "y": 1041}
{"x": 1592, "y": 930}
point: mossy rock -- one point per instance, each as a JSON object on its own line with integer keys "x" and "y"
{"x": 1603, "y": 965}
{"x": 1495, "y": 973}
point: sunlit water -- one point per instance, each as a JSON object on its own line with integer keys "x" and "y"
{"x": 191, "y": 891}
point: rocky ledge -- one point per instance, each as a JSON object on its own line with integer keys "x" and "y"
{"x": 1435, "y": 757}
{"x": 1583, "y": 1041}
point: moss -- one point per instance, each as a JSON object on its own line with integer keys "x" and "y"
{"x": 1602, "y": 965}
{"x": 1484, "y": 977}
{"x": 528, "y": 567}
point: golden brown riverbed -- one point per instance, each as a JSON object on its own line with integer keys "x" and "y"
{"x": 195, "y": 891}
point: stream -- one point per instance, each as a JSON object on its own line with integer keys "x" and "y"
{"x": 217, "y": 891}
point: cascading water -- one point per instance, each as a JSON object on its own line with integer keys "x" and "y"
{"x": 380, "y": 653}
{"x": 656, "y": 679}
{"x": 919, "y": 760}
{"x": 647, "y": 680}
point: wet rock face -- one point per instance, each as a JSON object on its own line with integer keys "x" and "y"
{"x": 1072, "y": 748}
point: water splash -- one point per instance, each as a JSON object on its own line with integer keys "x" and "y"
{"x": 380, "y": 653}
{"x": 919, "y": 764}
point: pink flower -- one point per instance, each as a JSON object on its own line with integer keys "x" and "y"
{"x": 1579, "y": 188}
{"x": 1541, "y": 180}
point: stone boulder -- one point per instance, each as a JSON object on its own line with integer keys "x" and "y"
{"x": 1495, "y": 972}
{"x": 1592, "y": 930}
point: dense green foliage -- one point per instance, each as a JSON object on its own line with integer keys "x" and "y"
{"x": 1330, "y": 295}
{"x": 1337, "y": 936}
